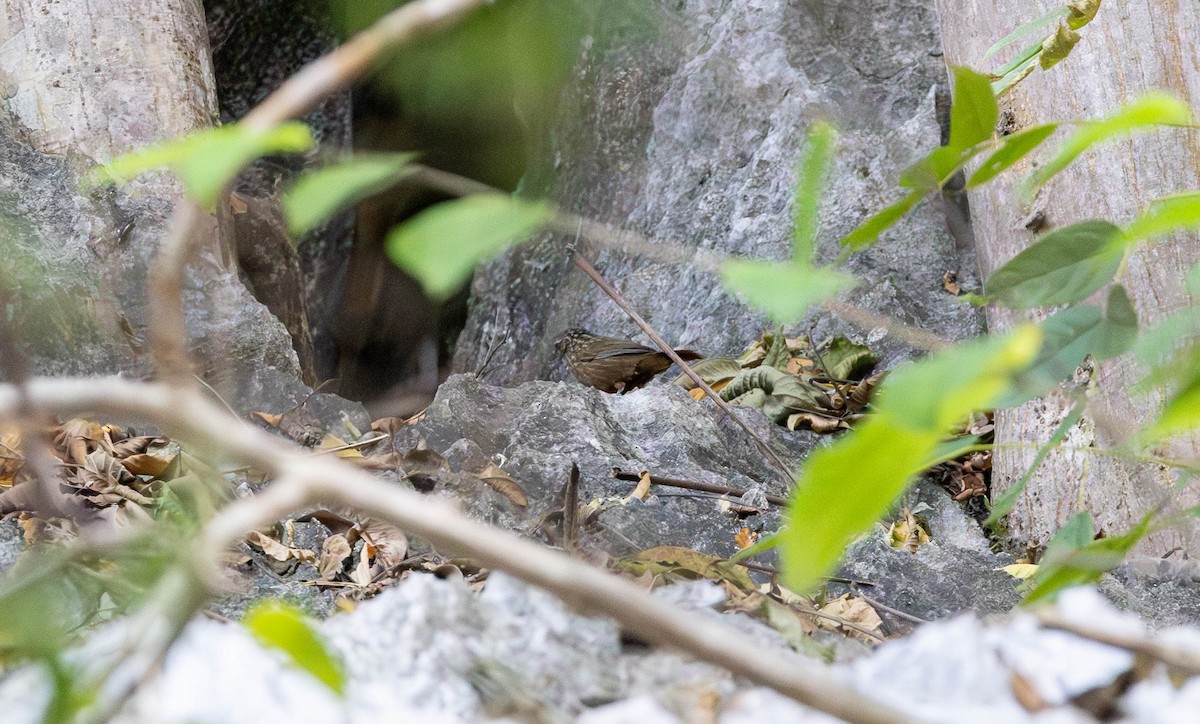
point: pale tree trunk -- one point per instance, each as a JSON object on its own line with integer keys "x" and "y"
{"x": 93, "y": 79}
{"x": 1129, "y": 48}
{"x": 101, "y": 77}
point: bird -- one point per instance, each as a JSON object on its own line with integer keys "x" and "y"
{"x": 611, "y": 364}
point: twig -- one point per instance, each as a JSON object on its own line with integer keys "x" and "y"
{"x": 868, "y": 320}
{"x": 669, "y": 252}
{"x": 1182, "y": 660}
{"x": 620, "y": 474}
{"x": 570, "y": 521}
{"x": 842, "y": 622}
{"x": 586, "y": 267}
{"x": 884, "y": 607}
{"x": 303, "y": 481}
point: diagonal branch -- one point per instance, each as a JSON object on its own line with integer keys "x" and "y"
{"x": 586, "y": 267}
{"x": 303, "y": 480}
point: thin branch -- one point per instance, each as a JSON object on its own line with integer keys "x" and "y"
{"x": 585, "y": 266}
{"x": 304, "y": 480}
{"x": 867, "y": 320}
{"x": 1184, "y": 661}
{"x": 620, "y": 474}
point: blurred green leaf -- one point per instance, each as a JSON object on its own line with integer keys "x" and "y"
{"x": 811, "y": 172}
{"x": 1072, "y": 558}
{"x": 1012, "y": 149}
{"x": 278, "y": 626}
{"x": 1182, "y": 411}
{"x": 941, "y": 389}
{"x": 973, "y": 112}
{"x": 935, "y": 169}
{"x": 1143, "y": 113}
{"x": 868, "y": 231}
{"x": 1070, "y": 335}
{"x": 844, "y": 488}
{"x": 320, "y": 194}
{"x": 206, "y": 161}
{"x": 1166, "y": 215}
{"x": 441, "y": 246}
{"x": 1062, "y": 267}
{"x": 783, "y": 291}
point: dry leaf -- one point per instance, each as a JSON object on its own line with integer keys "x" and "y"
{"x": 950, "y": 283}
{"x": 1020, "y": 570}
{"x": 800, "y": 365}
{"x": 388, "y": 425}
{"x": 278, "y": 551}
{"x": 334, "y": 552}
{"x": 745, "y": 538}
{"x": 272, "y": 420}
{"x": 423, "y": 467}
{"x": 642, "y": 491}
{"x": 153, "y": 466}
{"x": 389, "y": 544}
{"x": 855, "y": 611}
{"x": 503, "y": 483}
{"x": 11, "y": 459}
{"x": 907, "y": 533}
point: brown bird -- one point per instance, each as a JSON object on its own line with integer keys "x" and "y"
{"x": 611, "y": 364}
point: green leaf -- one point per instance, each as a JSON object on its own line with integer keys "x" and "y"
{"x": 868, "y": 231}
{"x": 943, "y": 388}
{"x": 1025, "y": 30}
{"x": 783, "y": 291}
{"x": 1072, "y": 334}
{"x": 441, "y": 246}
{"x": 811, "y": 172}
{"x": 934, "y": 170}
{"x": 1078, "y": 531}
{"x": 206, "y": 161}
{"x": 1166, "y": 215}
{"x": 1026, "y": 57}
{"x": 1062, "y": 267}
{"x": 1143, "y": 113}
{"x": 1072, "y": 561}
{"x": 844, "y": 488}
{"x": 1182, "y": 411}
{"x": 1021, "y": 68}
{"x": 974, "y": 111}
{"x": 319, "y": 195}
{"x": 278, "y": 626}
{"x": 954, "y": 449}
{"x": 1012, "y": 149}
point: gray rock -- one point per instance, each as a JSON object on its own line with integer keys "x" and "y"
{"x": 690, "y": 140}
{"x": 541, "y": 428}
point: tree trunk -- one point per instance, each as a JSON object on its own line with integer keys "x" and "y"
{"x": 94, "y": 79}
{"x": 1127, "y": 50}
{"x": 101, "y": 77}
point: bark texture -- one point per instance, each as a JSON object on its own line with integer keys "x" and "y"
{"x": 99, "y": 77}
{"x": 1129, "y": 48}
{"x": 82, "y": 81}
